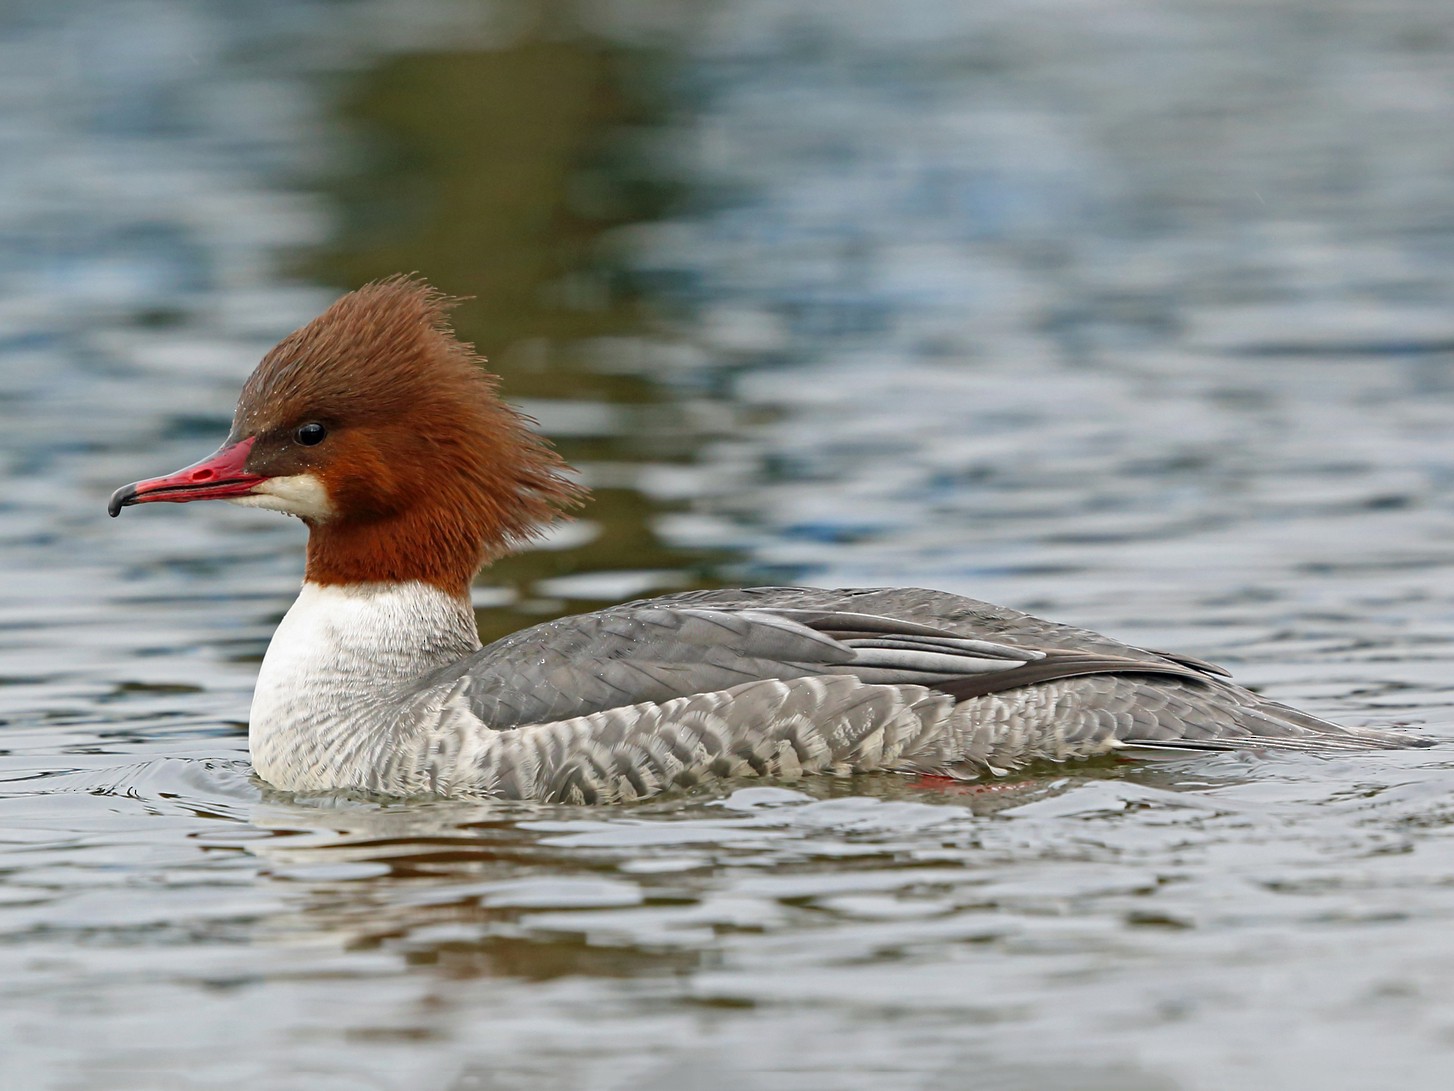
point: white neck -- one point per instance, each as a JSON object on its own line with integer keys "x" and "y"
{"x": 339, "y": 674}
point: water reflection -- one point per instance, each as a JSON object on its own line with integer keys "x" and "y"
{"x": 440, "y": 881}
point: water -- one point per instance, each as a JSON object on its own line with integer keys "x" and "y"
{"x": 1133, "y": 315}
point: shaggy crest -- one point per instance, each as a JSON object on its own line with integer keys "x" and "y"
{"x": 430, "y": 474}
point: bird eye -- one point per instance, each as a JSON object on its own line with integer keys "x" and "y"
{"x": 311, "y": 435}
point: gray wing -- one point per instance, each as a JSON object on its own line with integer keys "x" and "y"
{"x": 678, "y": 646}
{"x": 939, "y": 610}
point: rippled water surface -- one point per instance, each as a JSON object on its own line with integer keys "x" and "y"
{"x": 1137, "y": 315}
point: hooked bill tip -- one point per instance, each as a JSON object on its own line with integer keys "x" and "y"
{"x": 122, "y": 497}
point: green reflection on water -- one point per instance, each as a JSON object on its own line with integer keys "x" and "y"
{"x": 498, "y": 173}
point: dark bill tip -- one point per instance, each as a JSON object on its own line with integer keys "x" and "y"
{"x": 121, "y": 498}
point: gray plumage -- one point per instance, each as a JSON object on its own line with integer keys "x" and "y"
{"x": 784, "y": 682}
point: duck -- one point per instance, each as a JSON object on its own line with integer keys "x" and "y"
{"x": 383, "y": 431}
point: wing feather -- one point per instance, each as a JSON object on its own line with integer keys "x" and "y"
{"x": 655, "y": 652}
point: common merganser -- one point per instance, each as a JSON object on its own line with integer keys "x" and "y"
{"x": 381, "y": 430}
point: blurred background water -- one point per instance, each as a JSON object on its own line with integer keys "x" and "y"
{"x": 1135, "y": 314}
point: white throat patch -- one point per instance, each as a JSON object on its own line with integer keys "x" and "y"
{"x": 303, "y": 495}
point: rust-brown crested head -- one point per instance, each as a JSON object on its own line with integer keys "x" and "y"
{"x": 384, "y": 432}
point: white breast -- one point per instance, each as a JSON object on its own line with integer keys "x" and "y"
{"x": 334, "y": 688}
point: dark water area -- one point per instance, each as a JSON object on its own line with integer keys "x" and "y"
{"x": 1135, "y": 315}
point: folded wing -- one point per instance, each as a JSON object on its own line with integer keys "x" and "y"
{"x": 592, "y": 663}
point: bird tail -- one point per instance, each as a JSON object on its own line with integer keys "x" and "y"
{"x": 1132, "y": 715}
